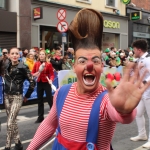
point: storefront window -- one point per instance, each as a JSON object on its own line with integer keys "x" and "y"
{"x": 49, "y": 37}
{"x": 3, "y": 4}
{"x": 110, "y": 40}
{"x": 141, "y": 28}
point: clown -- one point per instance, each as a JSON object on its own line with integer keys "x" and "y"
{"x": 83, "y": 113}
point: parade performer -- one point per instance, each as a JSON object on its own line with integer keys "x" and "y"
{"x": 140, "y": 48}
{"x": 84, "y": 114}
{"x": 43, "y": 69}
{"x": 15, "y": 74}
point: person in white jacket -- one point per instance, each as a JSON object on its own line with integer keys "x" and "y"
{"x": 140, "y": 48}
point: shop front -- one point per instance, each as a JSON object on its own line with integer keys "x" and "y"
{"x": 115, "y": 31}
{"x": 8, "y": 29}
{"x": 45, "y": 33}
{"x": 140, "y": 28}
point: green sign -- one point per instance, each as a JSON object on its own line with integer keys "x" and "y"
{"x": 126, "y": 1}
{"x": 136, "y": 15}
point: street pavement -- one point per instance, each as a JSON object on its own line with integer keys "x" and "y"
{"x": 27, "y": 129}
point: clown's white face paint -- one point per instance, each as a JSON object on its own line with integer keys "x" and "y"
{"x": 88, "y": 68}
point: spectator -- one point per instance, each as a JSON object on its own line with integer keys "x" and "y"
{"x": 30, "y": 61}
{"x": 15, "y": 74}
{"x": 21, "y": 54}
{"x": 5, "y": 58}
{"x": 70, "y": 52}
{"x": 66, "y": 65}
{"x": 24, "y": 52}
{"x": 118, "y": 60}
{"x": 111, "y": 61}
{"x": 43, "y": 84}
{"x": 107, "y": 51}
{"x": 56, "y": 61}
{"x": 123, "y": 58}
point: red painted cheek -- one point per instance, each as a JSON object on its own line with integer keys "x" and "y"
{"x": 89, "y": 67}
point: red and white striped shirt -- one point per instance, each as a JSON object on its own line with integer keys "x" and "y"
{"x": 74, "y": 119}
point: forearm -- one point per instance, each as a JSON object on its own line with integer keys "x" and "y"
{"x": 31, "y": 86}
{"x": 120, "y": 117}
{"x": 46, "y": 129}
{"x": 43, "y": 134}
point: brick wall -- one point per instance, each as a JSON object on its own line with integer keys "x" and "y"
{"x": 142, "y": 4}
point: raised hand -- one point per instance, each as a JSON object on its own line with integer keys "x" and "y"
{"x": 36, "y": 74}
{"x": 126, "y": 96}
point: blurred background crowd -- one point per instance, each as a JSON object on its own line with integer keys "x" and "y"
{"x": 111, "y": 57}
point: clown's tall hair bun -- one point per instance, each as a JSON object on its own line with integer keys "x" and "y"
{"x": 86, "y": 29}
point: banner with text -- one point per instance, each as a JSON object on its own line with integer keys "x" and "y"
{"x": 68, "y": 76}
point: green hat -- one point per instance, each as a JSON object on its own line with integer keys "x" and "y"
{"x": 47, "y": 51}
{"x": 117, "y": 52}
{"x": 52, "y": 53}
{"x": 131, "y": 48}
{"x": 107, "y": 50}
{"x": 131, "y": 59}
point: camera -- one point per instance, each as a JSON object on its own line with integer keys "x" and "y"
{"x": 4, "y": 53}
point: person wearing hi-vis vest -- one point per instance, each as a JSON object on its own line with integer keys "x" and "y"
{"x": 84, "y": 114}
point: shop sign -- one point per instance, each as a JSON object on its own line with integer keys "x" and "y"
{"x": 126, "y": 1}
{"x": 141, "y": 35}
{"x": 111, "y": 24}
{"x": 37, "y": 13}
{"x": 136, "y": 15}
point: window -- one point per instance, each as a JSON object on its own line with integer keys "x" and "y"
{"x": 84, "y": 1}
{"x": 111, "y": 3}
{"x": 3, "y": 4}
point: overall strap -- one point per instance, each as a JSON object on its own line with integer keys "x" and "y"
{"x": 93, "y": 124}
{"x": 62, "y": 94}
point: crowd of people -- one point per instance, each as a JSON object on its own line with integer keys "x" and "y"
{"x": 54, "y": 56}
{"x": 111, "y": 57}
{"x": 115, "y": 58}
{"x": 83, "y": 114}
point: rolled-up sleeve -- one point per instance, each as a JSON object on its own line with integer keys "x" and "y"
{"x": 118, "y": 117}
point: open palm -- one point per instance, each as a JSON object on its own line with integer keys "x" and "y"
{"x": 126, "y": 96}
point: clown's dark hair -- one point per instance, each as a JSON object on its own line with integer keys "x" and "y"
{"x": 86, "y": 29}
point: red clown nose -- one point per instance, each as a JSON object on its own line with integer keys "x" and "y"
{"x": 89, "y": 67}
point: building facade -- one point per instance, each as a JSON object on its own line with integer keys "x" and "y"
{"x": 140, "y": 28}
{"x": 8, "y": 26}
{"x": 28, "y": 31}
{"x": 44, "y": 31}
